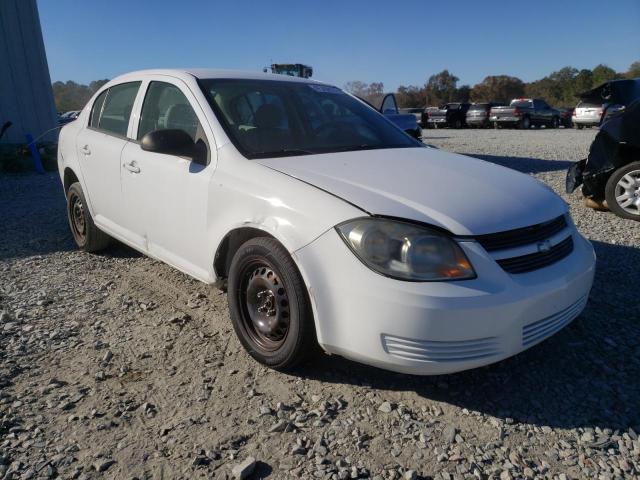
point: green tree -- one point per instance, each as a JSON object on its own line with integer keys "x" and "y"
{"x": 441, "y": 88}
{"x": 74, "y": 96}
{"x": 500, "y": 88}
{"x": 634, "y": 70}
{"x": 603, "y": 73}
{"x": 410, "y": 96}
{"x": 583, "y": 81}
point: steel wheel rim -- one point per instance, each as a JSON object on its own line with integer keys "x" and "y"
{"x": 265, "y": 304}
{"x": 627, "y": 192}
{"x": 77, "y": 217}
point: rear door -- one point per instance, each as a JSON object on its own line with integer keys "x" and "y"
{"x": 166, "y": 195}
{"x": 99, "y": 147}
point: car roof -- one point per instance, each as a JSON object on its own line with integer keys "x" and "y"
{"x": 210, "y": 73}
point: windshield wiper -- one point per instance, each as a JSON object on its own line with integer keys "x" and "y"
{"x": 284, "y": 152}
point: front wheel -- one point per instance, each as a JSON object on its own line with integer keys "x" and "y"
{"x": 85, "y": 233}
{"x": 269, "y": 305}
{"x": 622, "y": 191}
{"x": 555, "y": 122}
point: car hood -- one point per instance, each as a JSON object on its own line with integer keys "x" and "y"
{"x": 463, "y": 195}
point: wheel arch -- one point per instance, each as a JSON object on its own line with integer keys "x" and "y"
{"x": 230, "y": 244}
{"x": 69, "y": 178}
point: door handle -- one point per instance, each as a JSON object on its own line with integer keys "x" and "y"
{"x": 86, "y": 150}
{"x": 132, "y": 166}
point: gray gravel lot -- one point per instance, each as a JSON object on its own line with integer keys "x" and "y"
{"x": 117, "y": 366}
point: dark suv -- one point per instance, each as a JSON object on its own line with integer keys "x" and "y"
{"x": 478, "y": 114}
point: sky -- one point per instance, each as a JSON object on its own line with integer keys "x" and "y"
{"x": 397, "y": 43}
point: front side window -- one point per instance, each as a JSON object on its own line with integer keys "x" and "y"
{"x": 116, "y": 108}
{"x": 166, "y": 107}
{"x": 271, "y": 118}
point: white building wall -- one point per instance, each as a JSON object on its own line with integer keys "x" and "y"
{"x": 26, "y": 97}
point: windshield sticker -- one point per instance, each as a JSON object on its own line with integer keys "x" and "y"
{"x": 325, "y": 89}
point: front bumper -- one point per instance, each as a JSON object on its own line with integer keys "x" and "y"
{"x": 430, "y": 328}
{"x": 513, "y": 119}
{"x": 477, "y": 120}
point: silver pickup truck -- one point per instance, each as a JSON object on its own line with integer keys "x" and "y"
{"x": 525, "y": 113}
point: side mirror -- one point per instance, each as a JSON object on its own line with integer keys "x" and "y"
{"x": 174, "y": 142}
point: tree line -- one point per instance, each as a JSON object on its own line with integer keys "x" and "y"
{"x": 74, "y": 96}
{"x": 559, "y": 88}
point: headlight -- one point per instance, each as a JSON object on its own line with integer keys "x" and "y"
{"x": 406, "y": 251}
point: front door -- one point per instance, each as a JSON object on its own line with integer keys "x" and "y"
{"x": 166, "y": 196}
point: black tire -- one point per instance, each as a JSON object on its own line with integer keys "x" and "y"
{"x": 85, "y": 233}
{"x": 263, "y": 276}
{"x": 579, "y": 127}
{"x": 457, "y": 124}
{"x": 525, "y": 123}
{"x": 610, "y": 190}
{"x": 495, "y": 125}
{"x": 555, "y": 122}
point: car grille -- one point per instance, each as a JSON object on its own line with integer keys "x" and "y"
{"x": 538, "y": 331}
{"x": 522, "y": 236}
{"x": 534, "y": 261}
{"x": 440, "y": 351}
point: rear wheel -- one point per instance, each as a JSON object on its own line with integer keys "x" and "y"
{"x": 269, "y": 305}
{"x": 555, "y": 122}
{"x": 579, "y": 127}
{"x": 457, "y": 123}
{"x": 525, "y": 123}
{"x": 622, "y": 191}
{"x": 85, "y": 233}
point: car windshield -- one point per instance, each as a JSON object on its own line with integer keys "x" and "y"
{"x": 271, "y": 118}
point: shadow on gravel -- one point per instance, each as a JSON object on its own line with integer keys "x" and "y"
{"x": 584, "y": 376}
{"x": 525, "y": 164}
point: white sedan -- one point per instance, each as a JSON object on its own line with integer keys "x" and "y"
{"x": 328, "y": 225}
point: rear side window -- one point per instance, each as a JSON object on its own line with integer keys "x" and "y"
{"x": 96, "y": 110}
{"x": 116, "y": 108}
{"x": 166, "y": 107}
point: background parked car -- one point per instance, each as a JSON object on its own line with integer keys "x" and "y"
{"x": 478, "y": 114}
{"x": 566, "y": 114}
{"x": 450, "y": 115}
{"x": 524, "y": 113}
{"x": 610, "y": 175}
{"x": 415, "y": 111}
{"x": 600, "y": 103}
{"x": 587, "y": 114}
{"x": 68, "y": 117}
{"x": 406, "y": 121}
{"x": 425, "y": 116}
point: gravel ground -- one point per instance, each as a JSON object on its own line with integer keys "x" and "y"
{"x": 117, "y": 366}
